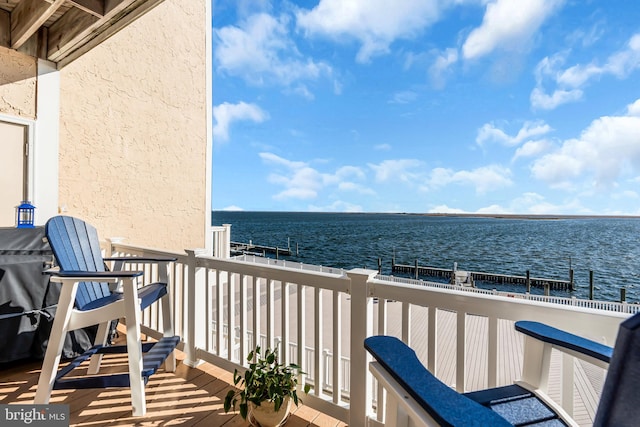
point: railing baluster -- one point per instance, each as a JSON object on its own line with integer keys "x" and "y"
{"x": 433, "y": 340}
{"x": 221, "y": 277}
{"x": 284, "y": 312}
{"x": 381, "y": 329}
{"x": 318, "y": 326}
{"x": 231, "y": 317}
{"x": 257, "y": 285}
{"x": 406, "y": 322}
{"x": 208, "y": 298}
{"x": 492, "y": 352}
{"x": 337, "y": 346}
{"x": 302, "y": 326}
{"x": 460, "y": 351}
{"x": 242, "y": 355}
{"x": 567, "y": 383}
{"x": 270, "y": 315}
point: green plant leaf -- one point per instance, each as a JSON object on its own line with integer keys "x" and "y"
{"x": 244, "y": 410}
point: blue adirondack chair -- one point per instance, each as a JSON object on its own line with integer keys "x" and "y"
{"x": 87, "y": 299}
{"x": 428, "y": 401}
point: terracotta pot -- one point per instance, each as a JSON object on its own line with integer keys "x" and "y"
{"x": 265, "y": 416}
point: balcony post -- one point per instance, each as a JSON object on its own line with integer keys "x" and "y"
{"x": 196, "y": 308}
{"x": 361, "y": 328}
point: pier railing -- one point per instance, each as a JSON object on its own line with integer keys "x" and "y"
{"x": 319, "y": 319}
{"x": 621, "y": 307}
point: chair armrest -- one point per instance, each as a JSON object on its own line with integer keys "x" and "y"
{"x": 90, "y": 275}
{"x": 565, "y": 340}
{"x": 140, "y": 260}
{"x": 445, "y": 405}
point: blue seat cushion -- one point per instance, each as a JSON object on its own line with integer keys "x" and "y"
{"x": 517, "y": 405}
{"x": 148, "y": 295}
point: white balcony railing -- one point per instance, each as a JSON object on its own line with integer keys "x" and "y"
{"x": 319, "y": 319}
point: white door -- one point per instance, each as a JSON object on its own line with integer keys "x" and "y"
{"x": 13, "y": 149}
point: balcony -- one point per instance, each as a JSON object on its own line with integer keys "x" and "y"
{"x": 318, "y": 317}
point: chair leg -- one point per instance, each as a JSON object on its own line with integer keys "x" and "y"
{"x": 394, "y": 414}
{"x": 167, "y": 327}
{"x": 56, "y": 343}
{"x": 101, "y": 339}
{"x": 134, "y": 348}
{"x": 535, "y": 368}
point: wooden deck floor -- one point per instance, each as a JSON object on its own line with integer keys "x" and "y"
{"x": 188, "y": 397}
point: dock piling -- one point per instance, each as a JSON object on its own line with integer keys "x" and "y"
{"x": 571, "y": 281}
{"x": 528, "y": 282}
{"x": 590, "y": 284}
{"x": 415, "y": 270}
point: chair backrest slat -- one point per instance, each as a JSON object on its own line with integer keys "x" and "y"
{"x": 620, "y": 399}
{"x": 76, "y": 247}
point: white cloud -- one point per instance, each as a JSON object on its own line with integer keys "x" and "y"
{"x": 402, "y": 170}
{"x": 587, "y": 38}
{"x": 634, "y": 109}
{"x": 232, "y": 208}
{"x": 403, "y": 97}
{"x": 225, "y": 114}
{"x": 568, "y": 83}
{"x": 445, "y": 209}
{"x": 508, "y": 25}
{"x": 260, "y": 51}
{"x": 441, "y": 65}
{"x": 483, "y": 179}
{"x": 382, "y": 147}
{"x": 375, "y": 24}
{"x": 490, "y": 133}
{"x": 625, "y": 195}
{"x": 606, "y": 151}
{"x": 346, "y": 172}
{"x": 337, "y": 206}
{"x": 532, "y": 149}
{"x": 356, "y": 188}
{"x": 301, "y": 181}
{"x": 493, "y": 209}
{"x": 541, "y": 100}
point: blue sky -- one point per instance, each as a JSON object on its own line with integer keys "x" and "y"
{"x": 476, "y": 106}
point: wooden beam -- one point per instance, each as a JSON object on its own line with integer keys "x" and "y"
{"x": 137, "y": 10}
{"x": 94, "y": 7}
{"x": 5, "y": 29}
{"x": 64, "y": 32}
{"x": 69, "y": 32}
{"x": 28, "y": 16}
{"x": 109, "y": 5}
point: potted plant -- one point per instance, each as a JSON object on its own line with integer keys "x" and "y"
{"x": 267, "y": 389}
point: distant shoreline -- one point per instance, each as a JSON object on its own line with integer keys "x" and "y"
{"x": 457, "y": 215}
{"x": 527, "y": 216}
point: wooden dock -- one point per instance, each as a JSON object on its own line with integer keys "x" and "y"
{"x": 251, "y": 249}
{"x": 418, "y": 270}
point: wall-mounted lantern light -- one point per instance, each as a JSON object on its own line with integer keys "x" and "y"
{"x": 25, "y": 215}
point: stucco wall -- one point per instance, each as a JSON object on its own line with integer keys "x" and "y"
{"x": 133, "y": 131}
{"x": 17, "y": 84}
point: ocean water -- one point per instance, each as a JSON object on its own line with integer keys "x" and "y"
{"x": 548, "y": 248}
